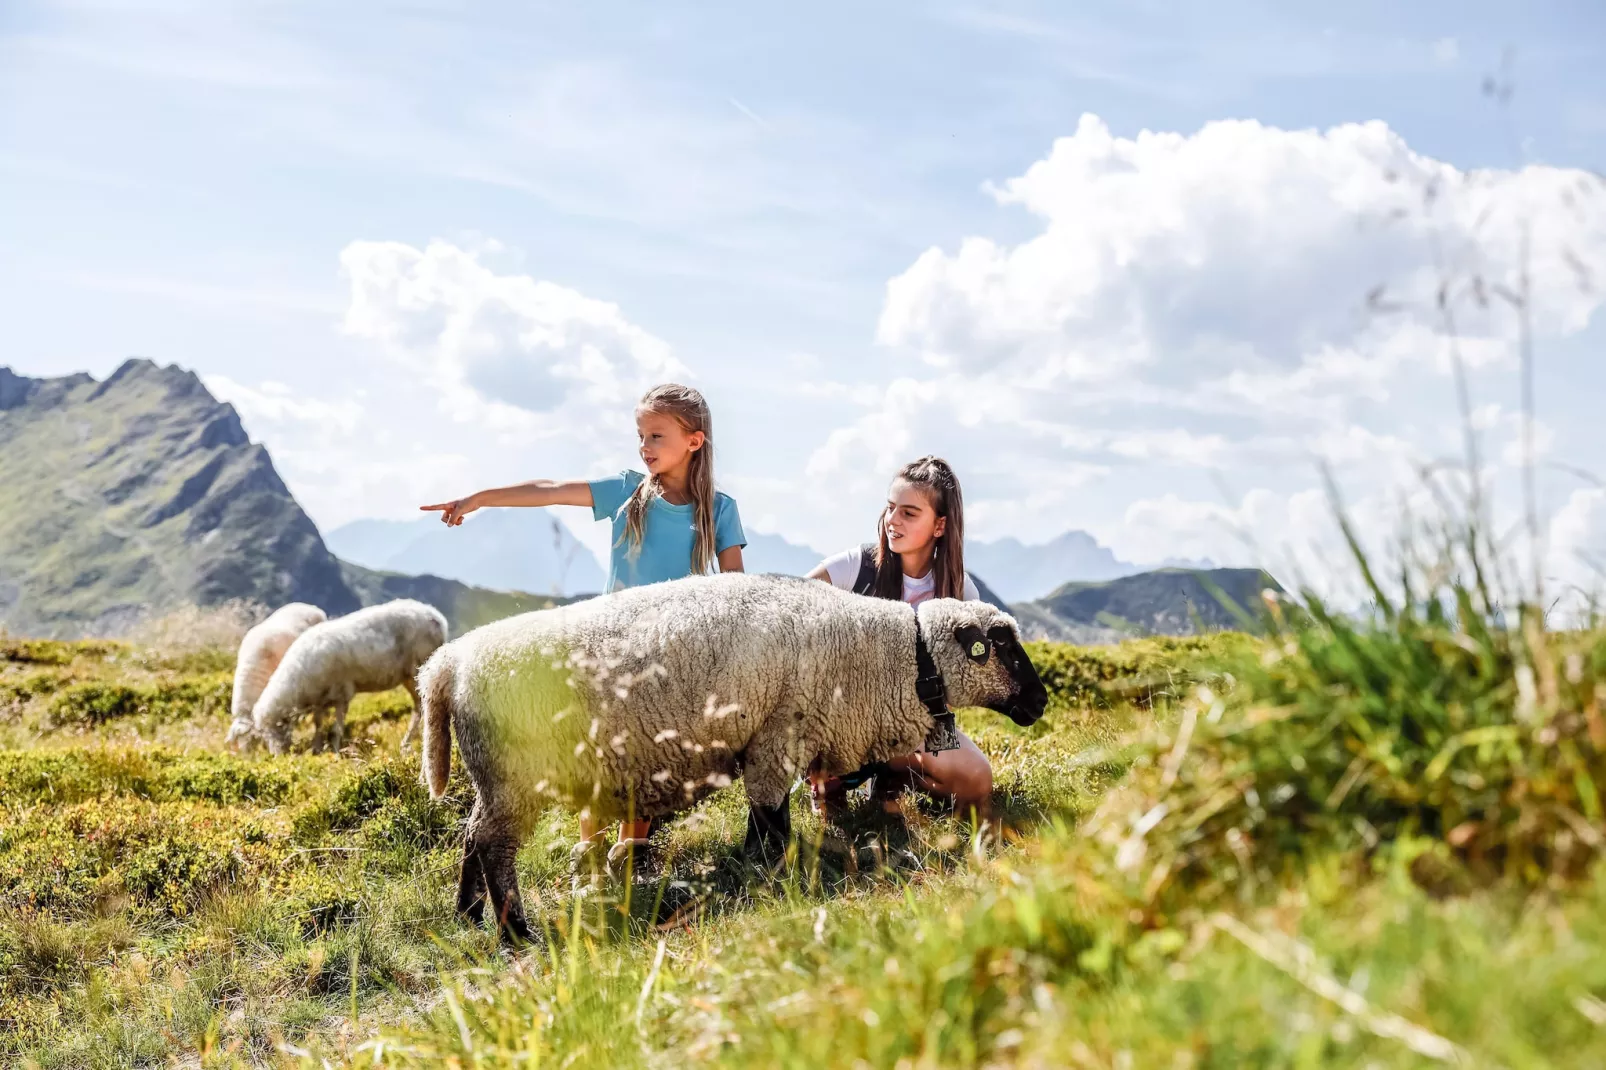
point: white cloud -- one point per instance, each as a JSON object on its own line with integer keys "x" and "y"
{"x": 503, "y": 347}
{"x": 1575, "y": 563}
{"x": 1244, "y": 299}
{"x": 273, "y": 402}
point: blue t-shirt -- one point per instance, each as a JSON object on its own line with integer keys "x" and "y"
{"x": 666, "y": 537}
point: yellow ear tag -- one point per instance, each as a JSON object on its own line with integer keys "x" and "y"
{"x": 978, "y": 648}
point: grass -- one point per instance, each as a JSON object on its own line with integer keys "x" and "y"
{"x": 1358, "y": 842}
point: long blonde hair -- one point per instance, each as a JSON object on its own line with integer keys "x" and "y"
{"x": 688, "y": 408}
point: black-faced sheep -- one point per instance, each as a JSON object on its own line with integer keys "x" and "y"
{"x": 373, "y": 649}
{"x": 639, "y": 703}
{"x": 261, "y": 651}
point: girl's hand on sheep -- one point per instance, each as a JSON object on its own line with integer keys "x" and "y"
{"x": 452, "y": 512}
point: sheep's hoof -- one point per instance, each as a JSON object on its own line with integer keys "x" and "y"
{"x": 516, "y": 933}
{"x": 766, "y": 860}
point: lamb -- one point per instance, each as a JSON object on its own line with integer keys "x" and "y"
{"x": 373, "y": 649}
{"x": 260, "y": 653}
{"x": 641, "y": 702}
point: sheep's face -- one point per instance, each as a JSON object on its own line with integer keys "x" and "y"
{"x": 978, "y": 650}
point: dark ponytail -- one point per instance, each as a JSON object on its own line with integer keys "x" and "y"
{"x": 933, "y": 476}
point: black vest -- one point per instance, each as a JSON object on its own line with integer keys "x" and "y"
{"x": 865, "y": 583}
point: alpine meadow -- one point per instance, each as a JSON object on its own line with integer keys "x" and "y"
{"x": 1264, "y": 341}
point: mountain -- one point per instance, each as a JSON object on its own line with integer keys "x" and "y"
{"x": 1020, "y": 572}
{"x": 1161, "y": 602}
{"x": 142, "y": 493}
{"x": 504, "y": 549}
{"x": 773, "y": 553}
{"x": 465, "y": 607}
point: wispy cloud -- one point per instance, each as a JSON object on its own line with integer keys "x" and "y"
{"x": 207, "y": 294}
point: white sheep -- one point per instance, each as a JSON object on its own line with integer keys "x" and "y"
{"x": 373, "y": 649}
{"x": 261, "y": 651}
{"x": 639, "y": 703}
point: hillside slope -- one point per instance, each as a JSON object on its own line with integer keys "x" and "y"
{"x": 1169, "y": 601}
{"x": 142, "y": 493}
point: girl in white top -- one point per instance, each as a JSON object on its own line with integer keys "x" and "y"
{"x": 920, "y": 555}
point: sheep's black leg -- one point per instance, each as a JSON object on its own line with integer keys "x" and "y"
{"x": 768, "y": 829}
{"x": 471, "y": 885}
{"x": 502, "y": 884}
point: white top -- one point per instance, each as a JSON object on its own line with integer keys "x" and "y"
{"x": 843, "y": 569}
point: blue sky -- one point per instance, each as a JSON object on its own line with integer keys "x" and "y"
{"x": 725, "y": 192}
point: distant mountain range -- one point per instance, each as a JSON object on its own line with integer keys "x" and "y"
{"x": 517, "y": 549}
{"x": 531, "y": 550}
{"x": 774, "y": 553}
{"x": 1020, "y": 572}
{"x": 143, "y": 493}
{"x": 503, "y": 549}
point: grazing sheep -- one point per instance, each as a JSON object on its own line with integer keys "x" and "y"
{"x": 373, "y": 649}
{"x": 260, "y": 653}
{"x": 641, "y": 702}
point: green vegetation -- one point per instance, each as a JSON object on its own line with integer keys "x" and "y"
{"x": 1354, "y": 842}
{"x": 1167, "y": 601}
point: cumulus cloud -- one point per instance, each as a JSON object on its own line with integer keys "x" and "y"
{"x": 1243, "y": 299}
{"x": 275, "y": 403}
{"x": 505, "y": 347}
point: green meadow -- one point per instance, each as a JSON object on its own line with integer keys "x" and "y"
{"x": 1353, "y": 842}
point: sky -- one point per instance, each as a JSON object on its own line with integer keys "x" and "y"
{"x": 1134, "y": 268}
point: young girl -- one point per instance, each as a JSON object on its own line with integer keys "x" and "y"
{"x": 920, "y": 555}
{"x": 667, "y": 523}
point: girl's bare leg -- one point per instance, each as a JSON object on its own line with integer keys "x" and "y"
{"x": 628, "y": 830}
{"x": 963, "y": 775}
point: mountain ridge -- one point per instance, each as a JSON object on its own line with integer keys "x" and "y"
{"x": 1168, "y": 601}
{"x": 136, "y": 494}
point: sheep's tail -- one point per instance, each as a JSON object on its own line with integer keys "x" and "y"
{"x": 437, "y": 682}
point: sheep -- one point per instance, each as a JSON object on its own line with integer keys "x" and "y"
{"x": 373, "y": 649}
{"x": 639, "y": 703}
{"x": 261, "y": 650}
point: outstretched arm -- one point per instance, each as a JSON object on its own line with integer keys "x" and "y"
{"x": 536, "y": 492}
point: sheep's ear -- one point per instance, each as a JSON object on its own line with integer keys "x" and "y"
{"x": 973, "y": 642}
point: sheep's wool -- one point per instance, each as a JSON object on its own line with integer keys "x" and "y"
{"x": 641, "y": 702}
{"x": 261, "y": 651}
{"x": 373, "y": 649}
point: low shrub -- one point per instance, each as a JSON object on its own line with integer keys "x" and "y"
{"x": 319, "y": 903}
{"x": 227, "y": 780}
{"x": 1138, "y": 671}
{"x": 15, "y": 691}
{"x": 357, "y": 798}
{"x": 96, "y": 702}
{"x": 55, "y": 651}
{"x": 154, "y": 773}
{"x": 366, "y": 709}
{"x": 159, "y": 857}
{"x": 407, "y": 826}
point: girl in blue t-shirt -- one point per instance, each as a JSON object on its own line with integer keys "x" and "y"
{"x": 668, "y": 522}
